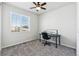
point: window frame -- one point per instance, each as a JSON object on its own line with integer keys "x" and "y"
{"x": 21, "y": 14}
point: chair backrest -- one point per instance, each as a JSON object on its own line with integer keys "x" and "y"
{"x": 45, "y": 35}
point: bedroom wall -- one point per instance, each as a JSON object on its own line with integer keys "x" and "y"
{"x": 0, "y": 27}
{"x": 13, "y": 38}
{"x": 78, "y": 28}
{"x": 63, "y": 19}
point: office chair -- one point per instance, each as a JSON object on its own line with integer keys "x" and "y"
{"x": 46, "y": 37}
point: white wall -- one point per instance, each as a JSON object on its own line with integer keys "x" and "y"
{"x": 63, "y": 19}
{"x": 78, "y": 28}
{"x": 13, "y": 38}
{"x": 0, "y": 27}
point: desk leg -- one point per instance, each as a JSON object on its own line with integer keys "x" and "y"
{"x": 56, "y": 42}
{"x": 40, "y": 37}
{"x": 40, "y": 40}
{"x": 59, "y": 40}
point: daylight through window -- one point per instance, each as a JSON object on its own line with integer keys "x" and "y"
{"x": 19, "y": 22}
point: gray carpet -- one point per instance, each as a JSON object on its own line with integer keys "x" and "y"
{"x": 36, "y": 48}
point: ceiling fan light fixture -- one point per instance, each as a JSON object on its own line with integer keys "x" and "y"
{"x": 38, "y": 8}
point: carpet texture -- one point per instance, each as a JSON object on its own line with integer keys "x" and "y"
{"x": 36, "y": 48}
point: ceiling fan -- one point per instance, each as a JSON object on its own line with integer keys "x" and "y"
{"x": 39, "y": 5}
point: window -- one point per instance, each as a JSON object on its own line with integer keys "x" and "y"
{"x": 19, "y": 22}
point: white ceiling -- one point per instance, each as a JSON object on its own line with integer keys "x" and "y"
{"x": 49, "y": 6}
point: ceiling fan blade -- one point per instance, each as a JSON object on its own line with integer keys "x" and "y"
{"x": 43, "y": 8}
{"x": 34, "y": 3}
{"x": 32, "y": 7}
{"x": 43, "y": 4}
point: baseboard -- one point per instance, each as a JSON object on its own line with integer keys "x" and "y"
{"x": 18, "y": 43}
{"x": 36, "y": 39}
{"x": 63, "y": 44}
{"x": 68, "y": 46}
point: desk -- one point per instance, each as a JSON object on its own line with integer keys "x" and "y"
{"x": 57, "y": 36}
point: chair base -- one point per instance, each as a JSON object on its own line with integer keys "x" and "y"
{"x": 47, "y": 43}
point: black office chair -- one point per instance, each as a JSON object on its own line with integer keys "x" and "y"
{"x": 46, "y": 37}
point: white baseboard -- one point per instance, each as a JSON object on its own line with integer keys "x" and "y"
{"x": 35, "y": 39}
{"x": 17, "y": 43}
{"x": 63, "y": 44}
{"x": 68, "y": 46}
